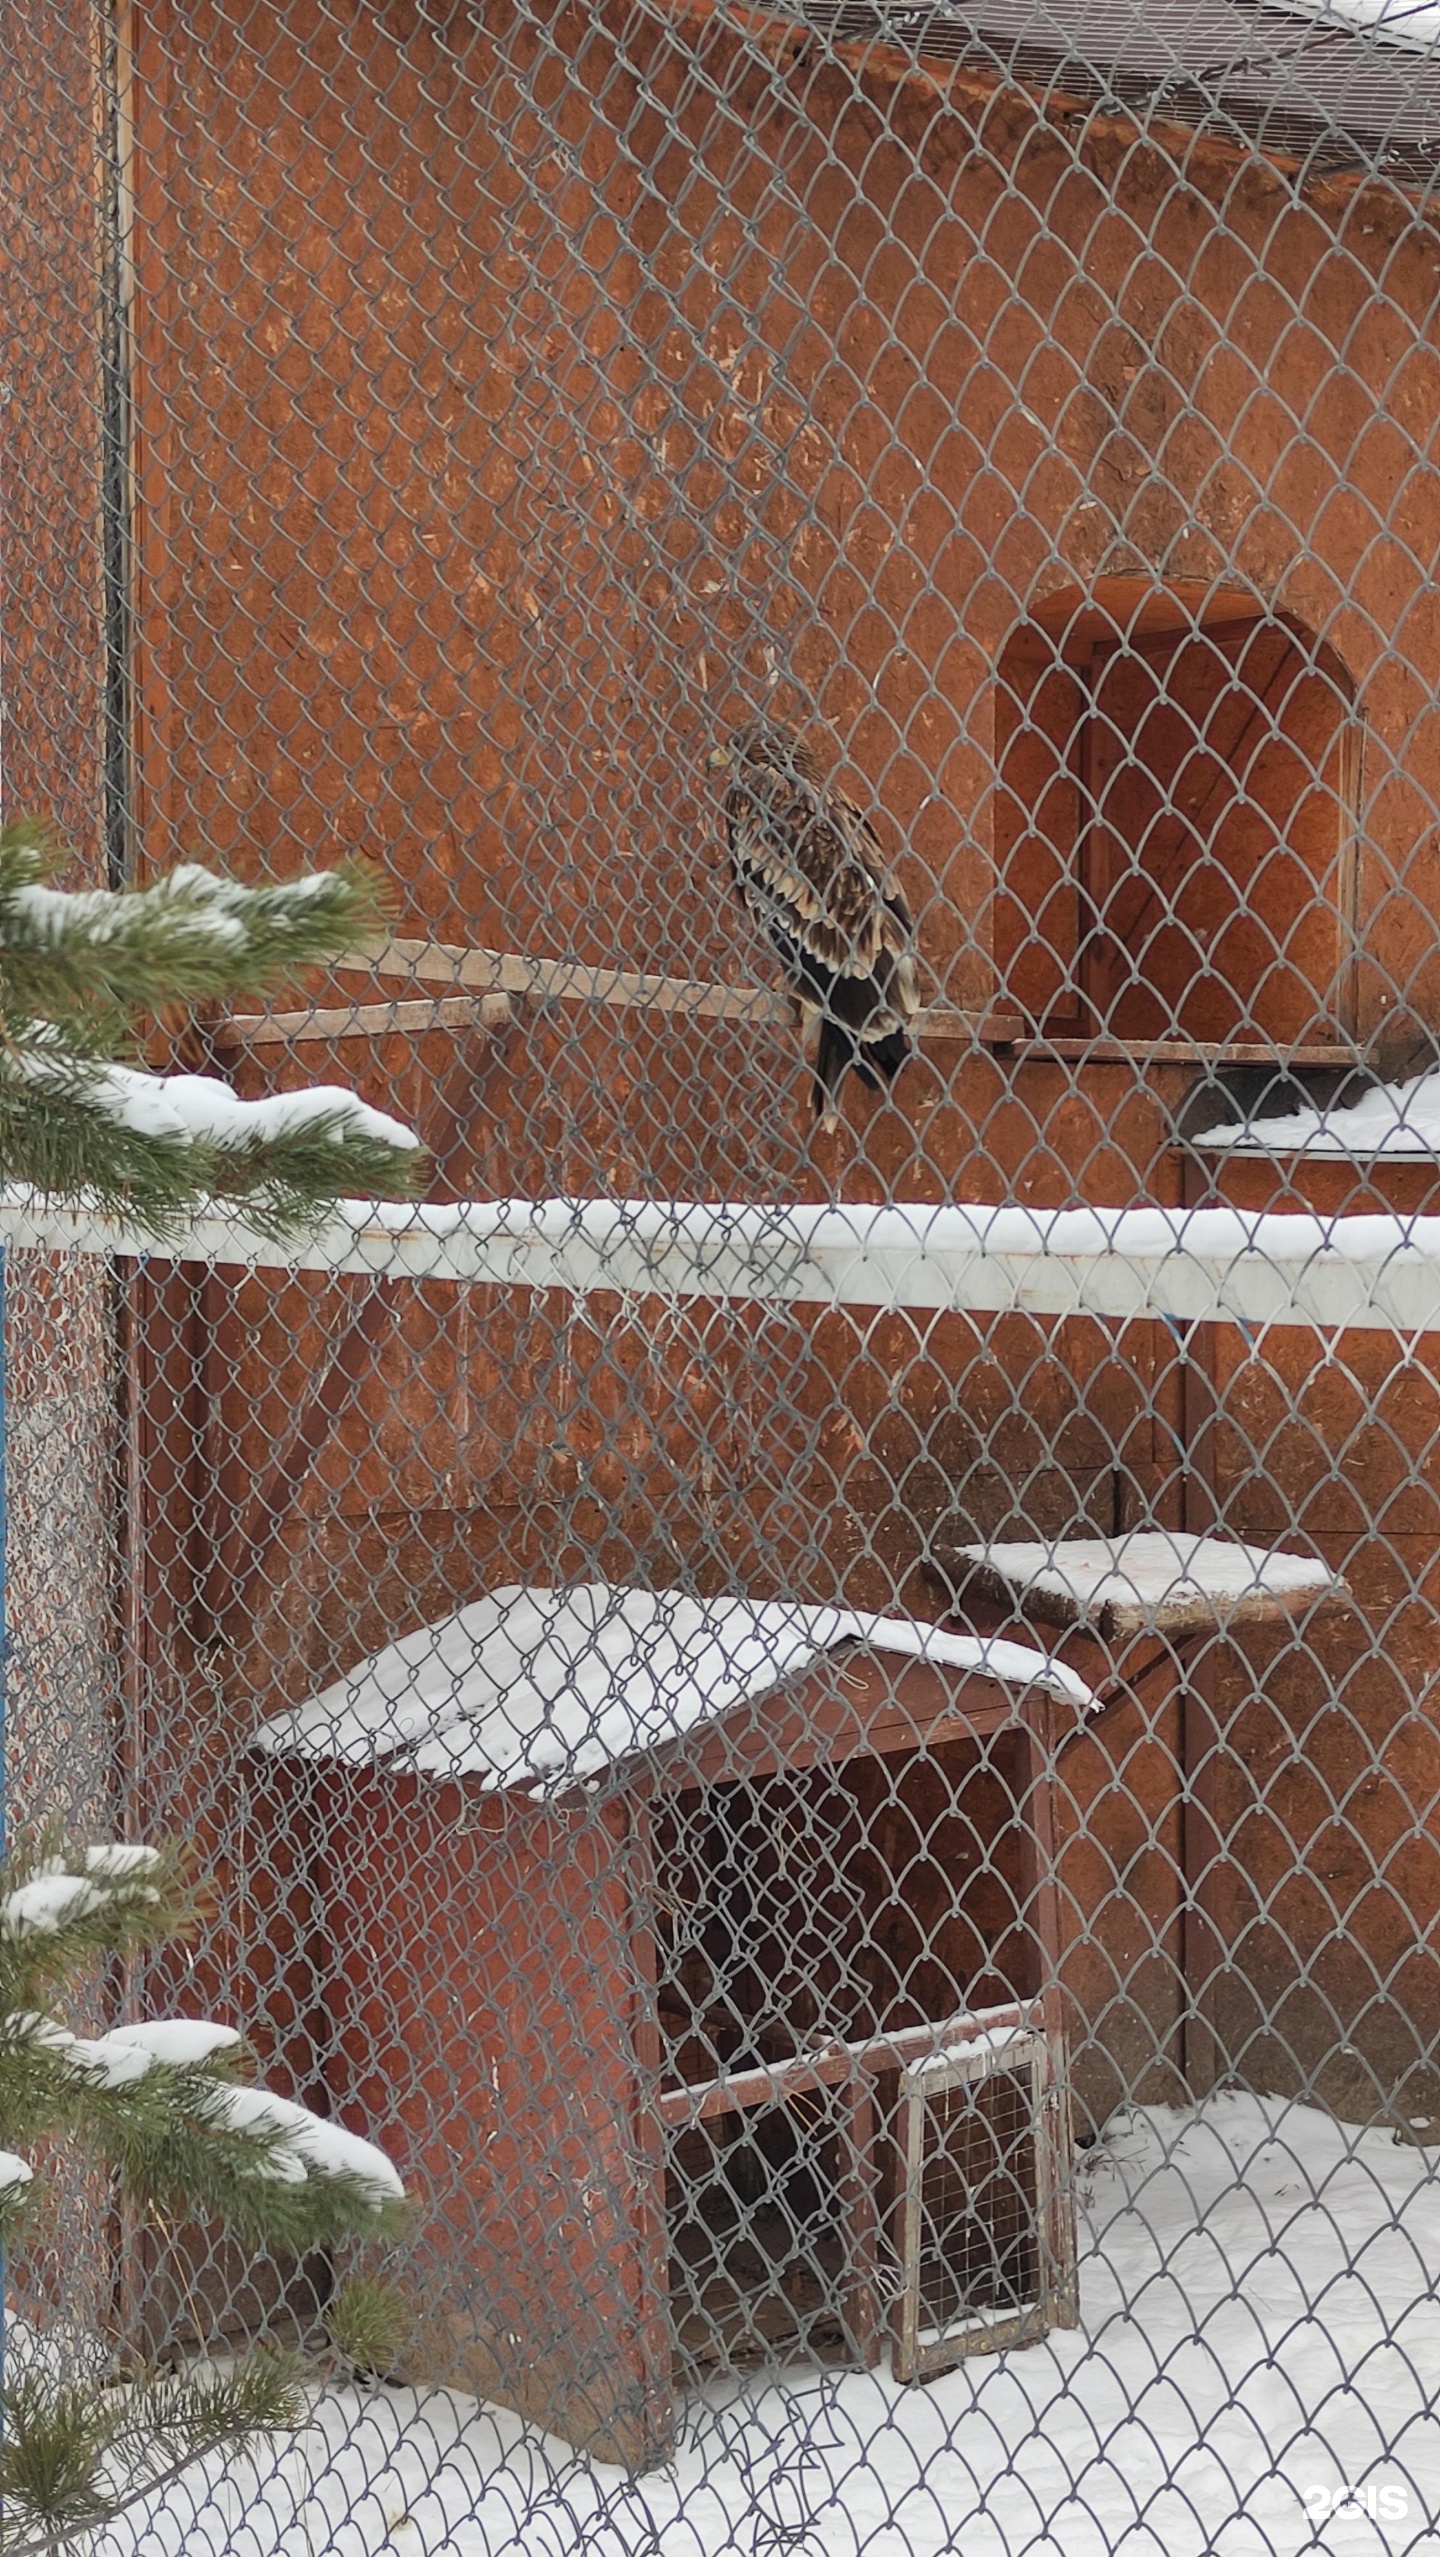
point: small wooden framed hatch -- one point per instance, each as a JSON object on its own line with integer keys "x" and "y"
{"x": 987, "y": 2258}
{"x": 1175, "y": 835}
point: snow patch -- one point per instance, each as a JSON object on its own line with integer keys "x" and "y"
{"x": 1395, "y": 1118}
{"x": 106, "y": 2057}
{"x": 310, "y": 2145}
{"x": 992, "y": 2038}
{"x": 1413, "y": 24}
{"x": 180, "y": 2042}
{"x": 198, "y": 1109}
{"x": 48, "y": 1902}
{"x": 119, "y": 1860}
{"x": 1151, "y": 1569}
{"x": 544, "y": 1686}
{"x": 1260, "y": 2318}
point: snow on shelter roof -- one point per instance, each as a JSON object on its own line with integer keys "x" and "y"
{"x": 540, "y": 1687}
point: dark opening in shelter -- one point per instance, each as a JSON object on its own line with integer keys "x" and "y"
{"x": 1174, "y": 821}
{"x": 727, "y": 1944}
{"x": 838, "y": 1902}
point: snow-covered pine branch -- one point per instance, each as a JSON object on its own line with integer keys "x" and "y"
{"x": 163, "y": 2104}
{"x": 80, "y": 970}
{"x": 149, "y": 1146}
{"x": 170, "y": 2110}
{"x": 190, "y": 937}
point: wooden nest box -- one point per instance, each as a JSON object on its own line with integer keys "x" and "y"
{"x": 696, "y": 1962}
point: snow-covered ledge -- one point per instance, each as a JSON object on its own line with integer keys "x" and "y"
{"x": 1376, "y": 1273}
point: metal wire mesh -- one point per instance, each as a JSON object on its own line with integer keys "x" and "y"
{"x": 861, "y": 2090}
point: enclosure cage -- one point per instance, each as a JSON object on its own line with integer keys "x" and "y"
{"x": 981, "y": 2095}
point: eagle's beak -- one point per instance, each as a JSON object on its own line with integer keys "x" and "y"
{"x": 719, "y": 759}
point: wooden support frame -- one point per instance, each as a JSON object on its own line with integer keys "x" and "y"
{"x": 1202, "y": 1920}
{"x": 924, "y": 2057}
{"x": 486, "y": 1013}
{"x": 838, "y": 2063}
{"x": 878, "y": 1704}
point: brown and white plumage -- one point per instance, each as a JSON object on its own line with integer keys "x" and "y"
{"x": 809, "y": 866}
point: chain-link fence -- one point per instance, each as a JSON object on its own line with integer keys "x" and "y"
{"x": 848, "y": 1784}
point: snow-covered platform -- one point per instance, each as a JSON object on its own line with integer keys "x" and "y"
{"x": 1153, "y": 1581}
{"x": 1390, "y": 1119}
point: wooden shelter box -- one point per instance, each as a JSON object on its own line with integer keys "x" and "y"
{"x": 696, "y": 1961}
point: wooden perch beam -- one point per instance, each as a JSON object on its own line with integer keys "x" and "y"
{"x": 489, "y": 1013}
{"x": 571, "y": 981}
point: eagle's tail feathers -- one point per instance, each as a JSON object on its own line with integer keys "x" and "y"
{"x": 840, "y": 1053}
{"x": 888, "y": 1053}
{"x": 833, "y": 1057}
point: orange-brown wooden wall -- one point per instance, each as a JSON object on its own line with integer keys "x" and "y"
{"x": 516, "y": 391}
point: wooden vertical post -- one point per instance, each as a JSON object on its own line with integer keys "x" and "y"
{"x": 656, "y": 2340}
{"x": 1202, "y": 1937}
{"x": 1040, "y": 1882}
{"x": 858, "y": 2199}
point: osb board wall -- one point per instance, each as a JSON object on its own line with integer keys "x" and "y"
{"x": 482, "y": 459}
{"x": 487, "y": 1439}
{"x": 484, "y": 454}
{"x": 50, "y": 399}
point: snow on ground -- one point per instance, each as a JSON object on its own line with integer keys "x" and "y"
{"x": 1260, "y": 2334}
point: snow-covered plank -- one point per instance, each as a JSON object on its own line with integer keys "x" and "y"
{"x": 1196, "y": 1265}
{"x": 1153, "y": 1581}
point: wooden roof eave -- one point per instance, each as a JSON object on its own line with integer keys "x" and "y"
{"x": 970, "y": 88}
{"x": 871, "y": 1705}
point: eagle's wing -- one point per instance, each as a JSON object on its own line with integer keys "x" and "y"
{"x": 809, "y": 865}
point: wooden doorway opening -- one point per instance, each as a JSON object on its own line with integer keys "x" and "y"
{"x": 1178, "y": 777}
{"x": 850, "y": 1967}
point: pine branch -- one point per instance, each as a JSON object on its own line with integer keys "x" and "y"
{"x": 368, "y": 2322}
{"x": 148, "y": 1148}
{"x": 53, "y": 2445}
{"x": 273, "y": 2173}
{"x": 79, "y": 970}
{"x": 167, "y": 2108}
{"x": 62, "y": 1903}
{"x": 75, "y": 2457}
{"x": 161, "y": 2105}
{"x": 95, "y": 960}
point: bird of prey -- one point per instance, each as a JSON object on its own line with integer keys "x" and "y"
{"x": 809, "y": 867}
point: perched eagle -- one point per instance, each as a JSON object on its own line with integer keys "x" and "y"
{"x": 811, "y": 871}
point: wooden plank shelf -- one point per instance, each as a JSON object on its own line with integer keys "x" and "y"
{"x": 1120, "y": 1588}
{"x": 1098, "y": 1051}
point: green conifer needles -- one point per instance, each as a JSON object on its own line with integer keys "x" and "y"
{"x": 169, "y": 2109}
{"x": 81, "y": 970}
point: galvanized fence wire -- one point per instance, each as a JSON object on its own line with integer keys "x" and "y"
{"x": 872, "y": 1862}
